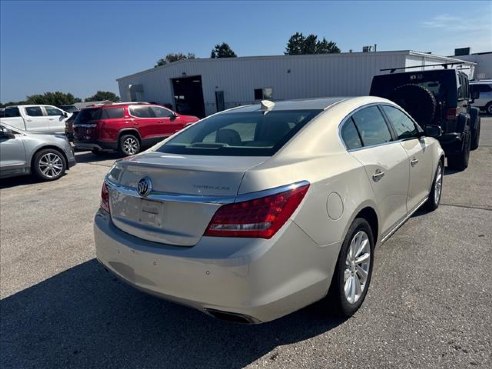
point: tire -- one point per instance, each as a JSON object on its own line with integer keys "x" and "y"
{"x": 488, "y": 108}
{"x": 435, "y": 194}
{"x": 418, "y": 101}
{"x": 129, "y": 145}
{"x": 349, "y": 274}
{"x": 49, "y": 164}
{"x": 476, "y": 136}
{"x": 460, "y": 161}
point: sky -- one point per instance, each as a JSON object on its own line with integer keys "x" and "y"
{"x": 80, "y": 47}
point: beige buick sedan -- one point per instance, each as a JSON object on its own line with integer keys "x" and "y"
{"x": 258, "y": 211}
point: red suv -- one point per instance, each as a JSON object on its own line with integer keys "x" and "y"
{"x": 126, "y": 127}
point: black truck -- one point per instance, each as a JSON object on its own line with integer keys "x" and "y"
{"x": 436, "y": 97}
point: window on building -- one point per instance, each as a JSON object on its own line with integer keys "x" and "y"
{"x": 263, "y": 93}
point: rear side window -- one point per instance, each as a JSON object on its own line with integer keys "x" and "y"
{"x": 350, "y": 135}
{"x": 240, "y": 133}
{"x": 88, "y": 115}
{"x": 481, "y": 88}
{"x": 403, "y": 125}
{"x": 113, "y": 113}
{"x": 34, "y": 111}
{"x": 371, "y": 126}
{"x": 142, "y": 112}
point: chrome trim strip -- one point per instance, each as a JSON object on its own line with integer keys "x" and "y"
{"x": 222, "y": 200}
{"x": 405, "y": 218}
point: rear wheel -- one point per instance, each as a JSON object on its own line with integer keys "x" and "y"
{"x": 129, "y": 144}
{"x": 460, "y": 161}
{"x": 354, "y": 269}
{"x": 49, "y": 164}
{"x": 436, "y": 189}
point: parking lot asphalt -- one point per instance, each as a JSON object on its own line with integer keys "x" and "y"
{"x": 429, "y": 304}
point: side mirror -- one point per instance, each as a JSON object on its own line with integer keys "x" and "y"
{"x": 433, "y": 131}
{"x": 173, "y": 117}
{"x": 65, "y": 114}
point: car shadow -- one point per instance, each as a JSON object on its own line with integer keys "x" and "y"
{"x": 89, "y": 157}
{"x": 450, "y": 172}
{"x": 86, "y": 318}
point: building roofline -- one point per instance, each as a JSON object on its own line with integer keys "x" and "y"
{"x": 306, "y": 56}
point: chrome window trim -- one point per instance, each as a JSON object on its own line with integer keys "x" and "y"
{"x": 222, "y": 200}
{"x": 348, "y": 116}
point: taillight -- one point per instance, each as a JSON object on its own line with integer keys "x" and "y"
{"x": 105, "y": 198}
{"x": 259, "y": 218}
{"x": 451, "y": 113}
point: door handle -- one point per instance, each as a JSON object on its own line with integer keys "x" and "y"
{"x": 378, "y": 174}
{"x": 414, "y": 162}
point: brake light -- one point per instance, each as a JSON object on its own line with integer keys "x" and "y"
{"x": 105, "y": 198}
{"x": 451, "y": 113}
{"x": 258, "y": 218}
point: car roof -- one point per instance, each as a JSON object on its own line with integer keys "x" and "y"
{"x": 300, "y": 104}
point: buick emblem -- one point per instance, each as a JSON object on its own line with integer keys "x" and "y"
{"x": 144, "y": 186}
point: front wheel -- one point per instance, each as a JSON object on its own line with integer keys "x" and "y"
{"x": 436, "y": 189}
{"x": 49, "y": 164}
{"x": 354, "y": 269}
{"x": 129, "y": 145}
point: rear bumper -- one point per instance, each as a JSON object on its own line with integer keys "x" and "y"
{"x": 254, "y": 278}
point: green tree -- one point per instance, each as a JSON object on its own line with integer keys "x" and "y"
{"x": 299, "y": 44}
{"x": 222, "y": 51}
{"x": 53, "y": 98}
{"x": 102, "y": 96}
{"x": 173, "y": 57}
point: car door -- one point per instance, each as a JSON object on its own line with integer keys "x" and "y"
{"x": 385, "y": 162}
{"x": 145, "y": 121}
{"x": 13, "y": 158}
{"x": 168, "y": 123}
{"x": 418, "y": 153}
{"x": 56, "y": 119}
{"x": 36, "y": 121}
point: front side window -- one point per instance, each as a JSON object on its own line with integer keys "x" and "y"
{"x": 371, "y": 126}
{"x": 240, "y": 133}
{"x": 403, "y": 125}
{"x": 53, "y": 111}
{"x": 143, "y": 111}
{"x": 34, "y": 111}
{"x": 160, "y": 112}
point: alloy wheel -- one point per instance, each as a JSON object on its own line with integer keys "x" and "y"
{"x": 130, "y": 146}
{"x": 51, "y": 165}
{"x": 357, "y": 266}
{"x": 438, "y": 185}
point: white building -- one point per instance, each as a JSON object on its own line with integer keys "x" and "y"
{"x": 205, "y": 86}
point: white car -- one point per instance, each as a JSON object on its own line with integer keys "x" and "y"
{"x": 258, "y": 211}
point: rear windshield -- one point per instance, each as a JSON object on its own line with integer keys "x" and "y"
{"x": 88, "y": 115}
{"x": 240, "y": 134}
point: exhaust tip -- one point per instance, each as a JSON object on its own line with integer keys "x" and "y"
{"x": 231, "y": 317}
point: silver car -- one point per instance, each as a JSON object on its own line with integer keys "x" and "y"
{"x": 258, "y": 211}
{"x": 483, "y": 92}
{"x": 47, "y": 156}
